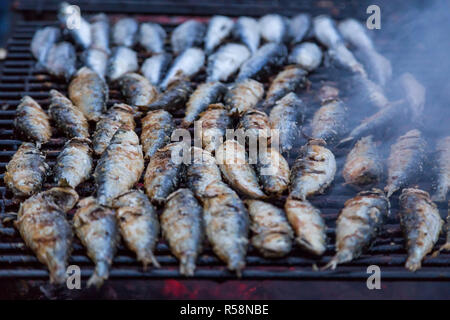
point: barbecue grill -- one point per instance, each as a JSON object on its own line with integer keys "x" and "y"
{"x": 20, "y": 76}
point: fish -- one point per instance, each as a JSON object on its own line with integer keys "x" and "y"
{"x": 32, "y": 121}
{"x": 356, "y": 34}
{"x": 219, "y": 28}
{"x": 255, "y": 125}
{"x": 358, "y": 225}
{"x": 226, "y": 61}
{"x": 121, "y": 61}
{"x": 214, "y": 123}
{"x": 186, "y": 35}
{"x": 232, "y": 160}
{"x": 67, "y": 117}
{"x": 246, "y": 30}
{"x": 443, "y": 168}
{"x": 299, "y": 26}
{"x": 43, "y": 40}
{"x": 288, "y": 80}
{"x": 137, "y": 90}
{"x": 272, "y": 234}
{"x": 421, "y": 224}
{"x": 274, "y": 28}
{"x": 330, "y": 121}
{"x": 243, "y": 96}
{"x": 152, "y": 37}
{"x": 377, "y": 66}
{"x": 157, "y": 128}
{"x": 182, "y": 226}
{"x": 343, "y": 58}
{"x": 174, "y": 97}
{"x": 187, "y": 64}
{"x": 286, "y": 118}
{"x": 153, "y": 68}
{"x": 325, "y": 31}
{"x": 43, "y": 225}
{"x": 78, "y": 28}
{"x": 120, "y": 115}
{"x": 138, "y": 224}
{"x": 405, "y": 161}
{"x": 306, "y": 55}
{"x": 97, "y": 228}
{"x": 273, "y": 171}
{"x": 100, "y": 29}
{"x": 26, "y": 171}
{"x": 226, "y": 225}
{"x": 446, "y": 245}
{"x": 89, "y": 92}
{"x": 74, "y": 163}
{"x": 96, "y": 60}
{"x": 205, "y": 94}
{"x": 363, "y": 166}
{"x": 369, "y": 92}
{"x": 164, "y": 173}
{"x": 120, "y": 166}
{"x": 415, "y": 95}
{"x": 61, "y": 60}
{"x": 124, "y": 32}
{"x": 313, "y": 171}
{"x": 263, "y": 62}
{"x": 308, "y": 224}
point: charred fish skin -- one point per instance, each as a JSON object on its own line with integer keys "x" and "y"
{"x": 100, "y": 32}
{"x": 74, "y": 163}
{"x": 274, "y": 28}
{"x": 96, "y": 60}
{"x": 137, "y": 90}
{"x": 164, "y": 173}
{"x": 174, "y": 97}
{"x": 121, "y": 61}
{"x": 214, "y": 123}
{"x": 26, "y": 171}
{"x": 256, "y": 125}
{"x": 313, "y": 170}
{"x": 226, "y": 225}
{"x": 61, "y": 60}
{"x": 154, "y": 67}
{"x": 363, "y": 166}
{"x": 139, "y": 225}
{"x": 82, "y": 33}
{"x": 226, "y": 61}
{"x": 68, "y": 118}
{"x": 358, "y": 224}
{"x": 272, "y": 234}
{"x": 443, "y": 163}
{"x": 246, "y": 29}
{"x": 243, "y": 96}
{"x": 152, "y": 37}
{"x": 186, "y": 35}
{"x": 182, "y": 226}
{"x": 43, "y": 40}
{"x": 157, "y": 128}
{"x": 405, "y": 161}
{"x": 219, "y": 28}
{"x": 43, "y": 225}
{"x": 89, "y": 92}
{"x": 307, "y": 55}
{"x": 421, "y": 224}
{"x": 299, "y": 26}
{"x": 205, "y": 94}
{"x": 120, "y": 166}
{"x": 309, "y": 226}
{"x": 32, "y": 121}
{"x": 96, "y": 227}
{"x": 124, "y": 32}
{"x": 330, "y": 121}
{"x": 273, "y": 171}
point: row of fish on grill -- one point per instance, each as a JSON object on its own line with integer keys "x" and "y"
{"x": 209, "y": 197}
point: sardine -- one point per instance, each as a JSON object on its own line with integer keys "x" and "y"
{"x": 43, "y": 40}
{"x": 26, "y": 171}
{"x": 299, "y": 26}
{"x": 246, "y": 30}
{"x": 443, "y": 164}
{"x": 119, "y": 167}
{"x": 421, "y": 224}
{"x": 96, "y": 60}
{"x": 186, "y": 35}
{"x": 307, "y": 55}
{"x": 43, "y": 225}
{"x": 324, "y": 29}
{"x": 74, "y": 163}
{"x": 31, "y": 121}
{"x": 89, "y": 92}
{"x": 157, "y": 128}
{"x": 358, "y": 225}
{"x": 124, "y": 32}
{"x": 100, "y": 32}
{"x": 97, "y": 228}
{"x": 273, "y": 171}
{"x": 205, "y": 94}
{"x": 139, "y": 225}
{"x": 405, "y": 161}
{"x": 255, "y": 125}
{"x": 313, "y": 170}
{"x": 61, "y": 60}
{"x": 343, "y": 58}
{"x": 356, "y": 34}
{"x": 121, "y": 61}
{"x": 274, "y": 28}
{"x": 377, "y": 66}
{"x": 272, "y": 234}
{"x": 243, "y": 96}
{"x": 369, "y": 92}
{"x": 152, "y": 37}
{"x": 154, "y": 67}
{"x": 79, "y": 29}
{"x": 214, "y": 123}
{"x": 308, "y": 225}
{"x": 137, "y": 90}
{"x": 174, "y": 97}
{"x": 330, "y": 121}
{"x": 182, "y": 226}
{"x": 226, "y": 61}
{"x": 219, "y": 28}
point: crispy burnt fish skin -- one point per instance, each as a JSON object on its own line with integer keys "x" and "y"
{"x": 26, "y": 171}
{"x": 273, "y": 171}
{"x": 329, "y": 121}
{"x": 214, "y": 123}
{"x": 96, "y": 227}
{"x": 313, "y": 170}
{"x": 358, "y": 225}
{"x": 272, "y": 234}
{"x": 68, "y": 118}
{"x": 243, "y": 96}
{"x": 139, "y": 226}
{"x": 443, "y": 163}
{"x": 137, "y": 90}
{"x": 157, "y": 128}
{"x": 89, "y": 92}
{"x": 119, "y": 167}
{"x": 74, "y": 163}
{"x": 43, "y": 225}
{"x": 226, "y": 225}
{"x": 174, "y": 97}
{"x": 32, "y": 121}
{"x": 405, "y": 161}
{"x": 421, "y": 224}
{"x": 308, "y": 225}
{"x": 256, "y": 125}
{"x": 182, "y": 226}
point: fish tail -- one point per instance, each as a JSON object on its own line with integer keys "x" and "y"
{"x": 100, "y": 274}
{"x": 340, "y": 257}
{"x": 58, "y": 274}
{"x": 187, "y": 264}
{"x": 148, "y": 258}
{"x": 413, "y": 264}
{"x": 444, "y": 247}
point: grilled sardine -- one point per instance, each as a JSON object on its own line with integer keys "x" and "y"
{"x": 330, "y": 121}
{"x": 152, "y": 37}
{"x": 137, "y": 90}
{"x": 79, "y": 32}
{"x": 443, "y": 163}
{"x": 153, "y": 68}
{"x": 96, "y": 60}
{"x": 274, "y": 28}
{"x": 186, "y": 35}
{"x": 157, "y": 128}
{"x": 61, "y": 60}
{"x": 32, "y": 121}
{"x": 214, "y": 123}
{"x": 256, "y": 125}
{"x": 124, "y": 32}
{"x": 307, "y": 55}
{"x": 243, "y": 96}
{"x": 246, "y": 30}
{"x": 299, "y": 26}
{"x": 174, "y": 97}
{"x": 226, "y": 61}
{"x": 219, "y": 28}
{"x": 43, "y": 40}
{"x": 121, "y": 61}
{"x": 100, "y": 32}
{"x": 273, "y": 171}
